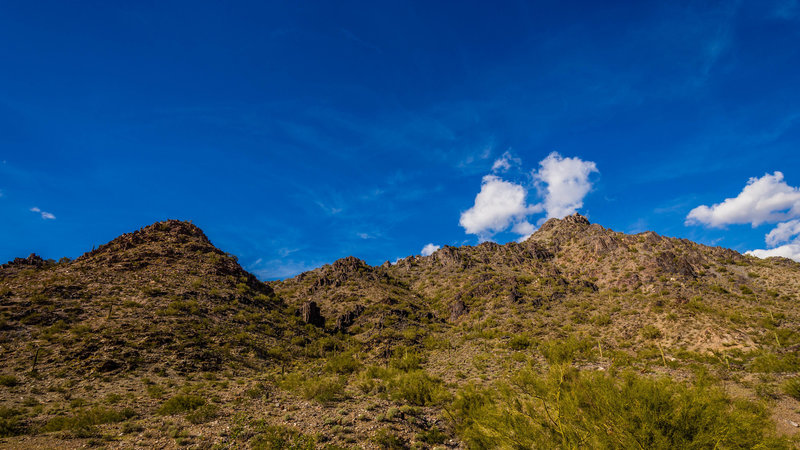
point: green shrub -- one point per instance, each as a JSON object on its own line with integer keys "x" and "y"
{"x": 405, "y": 360}
{"x": 567, "y": 408}
{"x": 388, "y": 440}
{"x": 342, "y": 364}
{"x": 181, "y": 403}
{"x": 774, "y": 363}
{"x": 85, "y": 419}
{"x": 650, "y": 332}
{"x": 10, "y": 423}
{"x": 792, "y": 387}
{"x": 417, "y": 388}
{"x": 432, "y": 436}
{"x": 8, "y": 380}
{"x": 322, "y": 389}
{"x": 271, "y": 437}
{"x": 203, "y": 414}
{"x": 566, "y": 350}
{"x": 519, "y": 342}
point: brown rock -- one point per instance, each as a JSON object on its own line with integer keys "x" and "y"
{"x": 311, "y": 314}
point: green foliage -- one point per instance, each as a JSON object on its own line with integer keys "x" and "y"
{"x": 386, "y": 439}
{"x": 84, "y": 419}
{"x": 323, "y": 389}
{"x": 8, "y": 380}
{"x": 271, "y": 437}
{"x": 573, "y": 409}
{"x": 10, "y": 422}
{"x": 343, "y": 364}
{"x": 405, "y": 359}
{"x": 203, "y": 414}
{"x": 519, "y": 342}
{"x": 650, "y": 332}
{"x": 566, "y": 350}
{"x": 775, "y": 363}
{"x": 417, "y": 388}
{"x": 181, "y": 403}
{"x": 792, "y": 387}
{"x": 432, "y": 436}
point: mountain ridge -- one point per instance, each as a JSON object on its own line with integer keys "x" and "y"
{"x": 161, "y": 315}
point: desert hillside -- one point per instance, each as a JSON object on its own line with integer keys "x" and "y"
{"x": 579, "y": 336}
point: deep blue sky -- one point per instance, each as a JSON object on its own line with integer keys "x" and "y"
{"x": 296, "y": 133}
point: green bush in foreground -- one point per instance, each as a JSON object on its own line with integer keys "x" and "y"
{"x": 567, "y": 408}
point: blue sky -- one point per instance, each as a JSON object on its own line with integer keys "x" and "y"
{"x": 296, "y": 133}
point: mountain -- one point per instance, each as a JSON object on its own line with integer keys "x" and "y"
{"x": 578, "y": 336}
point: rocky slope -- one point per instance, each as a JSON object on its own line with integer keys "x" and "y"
{"x": 160, "y": 339}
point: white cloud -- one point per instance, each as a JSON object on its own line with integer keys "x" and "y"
{"x": 429, "y": 249}
{"x": 45, "y": 215}
{"x": 525, "y": 229}
{"x": 784, "y": 232}
{"x": 791, "y": 251}
{"x": 763, "y": 200}
{"x": 505, "y": 162}
{"x": 502, "y": 205}
{"x": 565, "y": 182}
{"x": 499, "y": 204}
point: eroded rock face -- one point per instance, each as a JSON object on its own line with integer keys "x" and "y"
{"x": 347, "y": 319}
{"x": 311, "y": 314}
{"x": 33, "y": 260}
{"x": 577, "y": 218}
{"x": 457, "y": 309}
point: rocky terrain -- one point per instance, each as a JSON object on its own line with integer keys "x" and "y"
{"x": 159, "y": 339}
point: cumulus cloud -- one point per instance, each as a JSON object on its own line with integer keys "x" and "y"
{"x": 565, "y": 183}
{"x": 429, "y": 249}
{"x": 498, "y": 204}
{"x": 505, "y": 162}
{"x": 763, "y": 200}
{"x": 784, "y": 232}
{"x": 791, "y": 251}
{"x": 502, "y": 205}
{"x": 525, "y": 229}
{"x": 45, "y": 215}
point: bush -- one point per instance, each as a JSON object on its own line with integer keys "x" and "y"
{"x": 203, "y": 414}
{"x": 417, "y": 388}
{"x": 571, "y": 409}
{"x": 388, "y": 440}
{"x": 270, "y": 437}
{"x": 181, "y": 403}
{"x": 342, "y": 364}
{"x": 519, "y": 342}
{"x": 85, "y": 419}
{"x": 565, "y": 350}
{"x": 10, "y": 423}
{"x": 8, "y": 380}
{"x": 321, "y": 389}
{"x": 650, "y": 332}
{"x": 792, "y": 387}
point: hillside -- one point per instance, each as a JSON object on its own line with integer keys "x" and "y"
{"x": 158, "y": 338}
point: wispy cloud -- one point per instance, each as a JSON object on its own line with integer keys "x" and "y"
{"x": 44, "y": 214}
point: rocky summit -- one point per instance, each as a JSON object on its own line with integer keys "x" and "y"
{"x": 579, "y": 336}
